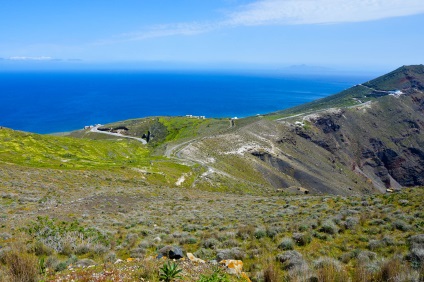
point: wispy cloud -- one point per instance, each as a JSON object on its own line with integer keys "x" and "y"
{"x": 163, "y": 30}
{"x": 289, "y": 12}
{"x": 23, "y": 58}
{"x": 285, "y": 12}
{"x": 170, "y": 30}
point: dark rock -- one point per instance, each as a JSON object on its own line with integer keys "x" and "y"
{"x": 171, "y": 252}
{"x": 327, "y": 124}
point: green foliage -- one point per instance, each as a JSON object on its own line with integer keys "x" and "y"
{"x": 169, "y": 271}
{"x": 217, "y": 276}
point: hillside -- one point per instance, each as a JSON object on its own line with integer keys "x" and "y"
{"x": 405, "y": 78}
{"x": 365, "y": 139}
{"x": 298, "y": 195}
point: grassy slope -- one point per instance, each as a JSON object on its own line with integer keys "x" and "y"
{"x": 120, "y": 156}
{"x": 50, "y": 151}
{"x": 133, "y": 215}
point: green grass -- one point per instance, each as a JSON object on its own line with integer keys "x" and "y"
{"x": 65, "y": 152}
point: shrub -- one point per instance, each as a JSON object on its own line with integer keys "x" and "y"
{"x": 366, "y": 256}
{"x": 329, "y": 227}
{"x": 416, "y": 247}
{"x": 273, "y": 231}
{"x": 302, "y": 239}
{"x": 351, "y": 222}
{"x": 286, "y": 244}
{"x": 230, "y": 243}
{"x": 259, "y": 233}
{"x": 234, "y": 253}
{"x": 204, "y": 254}
{"x": 271, "y": 273}
{"x": 375, "y": 244}
{"x": 401, "y": 225}
{"x": 217, "y": 276}
{"x": 390, "y": 270}
{"x": 41, "y": 249}
{"x": 110, "y": 257}
{"x": 329, "y": 269}
{"x": 82, "y": 249}
{"x": 21, "y": 266}
{"x": 137, "y": 252}
{"x": 210, "y": 243}
{"x": 403, "y": 203}
{"x": 291, "y": 259}
{"x": 245, "y": 232}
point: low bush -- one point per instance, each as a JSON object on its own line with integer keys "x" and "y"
{"x": 21, "y": 266}
{"x": 329, "y": 227}
{"x": 286, "y": 244}
{"x": 302, "y": 239}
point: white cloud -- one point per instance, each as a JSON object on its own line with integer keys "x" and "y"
{"x": 22, "y": 58}
{"x": 170, "y": 30}
{"x": 286, "y": 12}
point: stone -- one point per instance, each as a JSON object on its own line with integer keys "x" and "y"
{"x": 192, "y": 258}
{"x": 234, "y": 267}
{"x": 171, "y": 252}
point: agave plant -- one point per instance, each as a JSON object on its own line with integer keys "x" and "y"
{"x": 169, "y": 271}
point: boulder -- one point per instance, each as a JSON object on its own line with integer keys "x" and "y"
{"x": 192, "y": 258}
{"x": 171, "y": 252}
{"x": 233, "y": 266}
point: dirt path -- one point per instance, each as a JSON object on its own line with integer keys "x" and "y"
{"x": 95, "y": 130}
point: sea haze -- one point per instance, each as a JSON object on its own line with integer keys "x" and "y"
{"x": 47, "y": 102}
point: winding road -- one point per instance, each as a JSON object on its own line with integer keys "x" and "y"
{"x": 96, "y": 130}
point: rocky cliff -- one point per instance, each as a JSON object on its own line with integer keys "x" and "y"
{"x": 374, "y": 143}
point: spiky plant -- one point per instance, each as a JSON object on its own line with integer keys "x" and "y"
{"x": 169, "y": 271}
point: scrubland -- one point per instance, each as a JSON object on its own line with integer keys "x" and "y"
{"x": 58, "y": 222}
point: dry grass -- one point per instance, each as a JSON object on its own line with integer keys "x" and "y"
{"x": 21, "y": 266}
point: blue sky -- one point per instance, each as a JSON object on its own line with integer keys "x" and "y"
{"x": 377, "y": 34}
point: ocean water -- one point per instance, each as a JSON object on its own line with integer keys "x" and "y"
{"x": 47, "y": 102}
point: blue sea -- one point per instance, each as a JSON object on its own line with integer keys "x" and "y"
{"x": 48, "y": 102}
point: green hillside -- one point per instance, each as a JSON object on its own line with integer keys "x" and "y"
{"x": 403, "y": 78}
{"x": 64, "y": 152}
